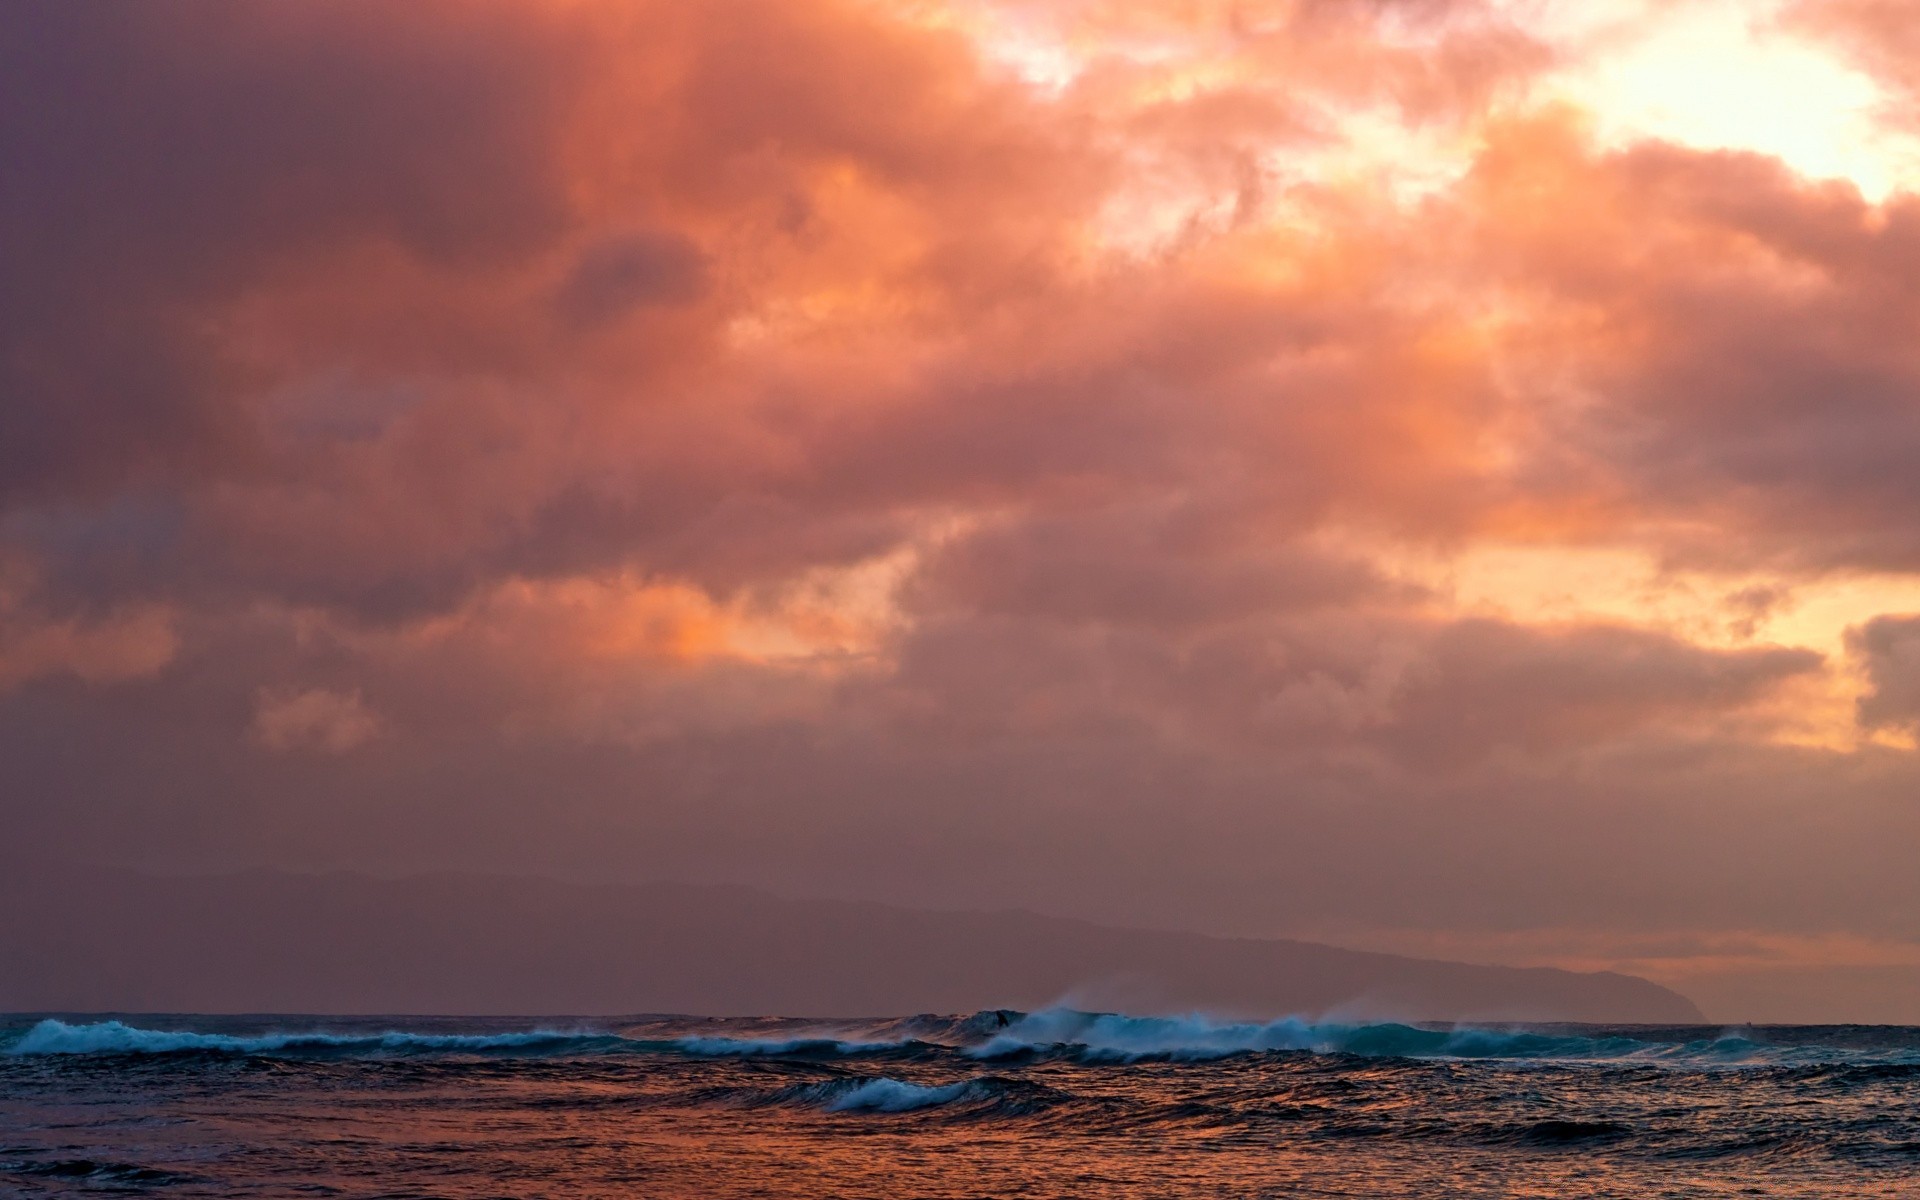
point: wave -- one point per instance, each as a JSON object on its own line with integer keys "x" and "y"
{"x": 978, "y": 1098}
{"x": 115, "y": 1176}
{"x": 1113, "y": 1037}
{"x": 801, "y": 1047}
{"x": 887, "y": 1095}
{"x": 1000, "y": 1035}
{"x": 53, "y": 1036}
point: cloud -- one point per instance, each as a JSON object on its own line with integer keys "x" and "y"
{"x": 1166, "y": 565}
{"x": 133, "y": 644}
{"x": 1889, "y": 648}
{"x": 256, "y": 142}
{"x": 1496, "y": 685}
{"x": 1002, "y": 453}
{"x": 1315, "y": 692}
{"x": 621, "y": 273}
{"x": 1710, "y": 343}
{"x": 1877, "y": 34}
{"x": 335, "y": 722}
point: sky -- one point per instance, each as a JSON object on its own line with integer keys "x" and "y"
{"x": 1439, "y": 476}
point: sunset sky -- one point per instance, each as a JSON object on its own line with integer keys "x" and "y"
{"x": 1439, "y": 476}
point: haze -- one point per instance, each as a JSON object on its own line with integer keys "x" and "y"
{"x": 1431, "y": 476}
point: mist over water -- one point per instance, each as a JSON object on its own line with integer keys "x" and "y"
{"x": 1054, "y": 1103}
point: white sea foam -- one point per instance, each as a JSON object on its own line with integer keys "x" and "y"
{"x": 114, "y": 1037}
{"x": 1111, "y": 1035}
{"x": 894, "y": 1095}
{"x": 1086, "y": 1037}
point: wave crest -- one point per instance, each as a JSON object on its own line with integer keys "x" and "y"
{"x": 1112, "y": 1037}
{"x": 52, "y": 1036}
{"x": 983, "y": 1097}
{"x": 999, "y": 1035}
{"x": 888, "y": 1095}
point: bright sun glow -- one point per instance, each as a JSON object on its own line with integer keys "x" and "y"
{"x": 1726, "y": 75}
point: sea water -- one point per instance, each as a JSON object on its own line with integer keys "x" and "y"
{"x": 1048, "y": 1104}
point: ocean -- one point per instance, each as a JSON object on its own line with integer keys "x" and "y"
{"x": 992, "y": 1104}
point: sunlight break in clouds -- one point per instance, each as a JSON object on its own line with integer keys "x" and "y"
{"x": 1727, "y": 75}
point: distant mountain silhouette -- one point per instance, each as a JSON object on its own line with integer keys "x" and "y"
{"x": 94, "y": 940}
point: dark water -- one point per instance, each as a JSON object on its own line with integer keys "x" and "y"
{"x": 1053, "y": 1104}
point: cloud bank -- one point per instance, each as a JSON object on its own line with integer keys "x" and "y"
{"x": 1270, "y": 468}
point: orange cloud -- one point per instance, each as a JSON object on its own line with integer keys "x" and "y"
{"x": 760, "y": 424}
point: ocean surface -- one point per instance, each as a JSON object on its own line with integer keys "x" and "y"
{"x": 1049, "y": 1104}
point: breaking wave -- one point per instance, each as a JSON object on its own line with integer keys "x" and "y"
{"x": 1005, "y": 1035}
{"x": 887, "y": 1095}
{"x": 981, "y": 1097}
{"x": 1112, "y": 1037}
{"x": 53, "y": 1036}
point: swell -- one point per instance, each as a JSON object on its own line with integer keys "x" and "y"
{"x": 56, "y": 1037}
{"x": 994, "y": 1036}
{"x": 1113, "y": 1037}
{"x": 986, "y": 1096}
{"x": 799, "y": 1047}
